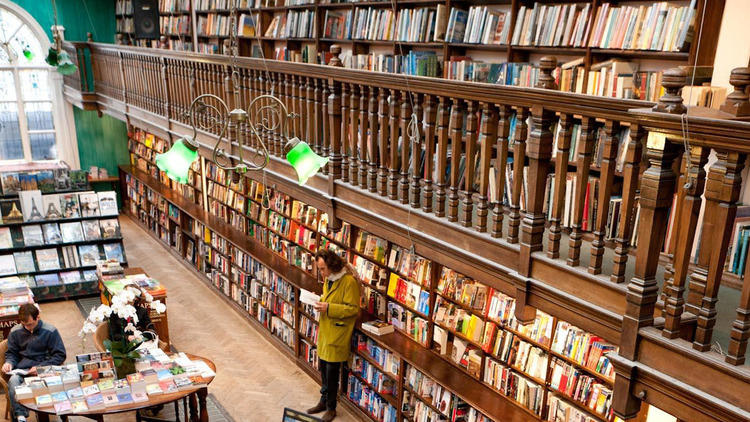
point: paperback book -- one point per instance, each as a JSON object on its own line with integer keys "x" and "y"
{"x": 52, "y": 233}
{"x": 110, "y": 228}
{"x": 89, "y": 254}
{"x": 107, "y": 203}
{"x": 6, "y": 239}
{"x": 89, "y": 203}
{"x": 7, "y": 265}
{"x": 114, "y": 251}
{"x": 11, "y": 210}
{"x": 31, "y": 205}
{"x": 46, "y": 280}
{"x": 47, "y": 259}
{"x": 91, "y": 230}
{"x": 24, "y": 262}
{"x": 32, "y": 235}
{"x": 71, "y": 232}
{"x": 69, "y": 205}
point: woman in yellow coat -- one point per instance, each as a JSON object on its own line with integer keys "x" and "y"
{"x": 339, "y": 308}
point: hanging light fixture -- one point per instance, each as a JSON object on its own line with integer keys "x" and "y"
{"x": 56, "y": 56}
{"x": 265, "y": 114}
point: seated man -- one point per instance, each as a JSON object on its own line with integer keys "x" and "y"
{"x": 31, "y": 343}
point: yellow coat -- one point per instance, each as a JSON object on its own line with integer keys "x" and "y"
{"x": 337, "y": 323}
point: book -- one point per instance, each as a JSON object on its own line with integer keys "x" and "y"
{"x": 24, "y": 262}
{"x": 28, "y": 181}
{"x": 51, "y": 206}
{"x": 32, "y": 235}
{"x": 110, "y": 399}
{"x": 246, "y": 26}
{"x": 90, "y": 275}
{"x": 52, "y": 233}
{"x": 89, "y": 204}
{"x": 71, "y": 232}
{"x": 23, "y": 392}
{"x": 114, "y": 251}
{"x": 69, "y": 205}
{"x": 79, "y": 406}
{"x": 110, "y": 228}
{"x": 11, "y": 211}
{"x": 46, "y": 280}
{"x": 7, "y": 265}
{"x": 107, "y": 203}
{"x": 6, "y": 239}
{"x": 95, "y": 401}
{"x": 89, "y": 254}
{"x": 45, "y": 181}
{"x": 70, "y": 277}
{"x": 63, "y": 407}
{"x": 91, "y": 230}
{"x": 47, "y": 259}
{"x": 44, "y": 400}
{"x": 377, "y": 327}
{"x": 11, "y": 183}
{"x": 31, "y": 205}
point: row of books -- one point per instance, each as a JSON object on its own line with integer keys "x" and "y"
{"x": 175, "y": 25}
{"x": 33, "y": 206}
{"x": 167, "y": 6}
{"x": 480, "y": 26}
{"x": 52, "y": 233}
{"x": 379, "y": 409}
{"x": 512, "y": 384}
{"x": 208, "y": 5}
{"x": 49, "y": 259}
{"x": 581, "y": 387}
{"x": 126, "y": 26}
{"x": 47, "y": 181}
{"x": 306, "y": 54}
{"x": 409, "y": 293}
{"x": 14, "y": 292}
{"x": 124, "y": 7}
{"x": 563, "y": 25}
{"x": 294, "y": 24}
{"x": 659, "y": 26}
{"x": 417, "y": 63}
{"x": 463, "y": 68}
{"x": 213, "y": 24}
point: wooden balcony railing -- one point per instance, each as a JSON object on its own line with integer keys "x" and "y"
{"x": 659, "y": 306}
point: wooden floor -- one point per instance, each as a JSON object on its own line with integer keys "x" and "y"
{"x": 254, "y": 381}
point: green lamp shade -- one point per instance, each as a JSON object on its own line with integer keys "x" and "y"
{"x": 64, "y": 65}
{"x": 176, "y": 162}
{"x": 28, "y": 54}
{"x": 305, "y": 161}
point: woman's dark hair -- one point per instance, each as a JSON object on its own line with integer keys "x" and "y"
{"x": 334, "y": 262}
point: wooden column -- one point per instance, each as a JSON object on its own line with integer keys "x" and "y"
{"x": 470, "y": 142}
{"x": 364, "y": 136}
{"x": 430, "y": 114}
{"x": 383, "y": 141}
{"x": 519, "y": 156}
{"x": 334, "y": 122}
{"x": 501, "y": 164}
{"x": 406, "y": 149}
{"x": 372, "y": 141}
{"x": 606, "y": 180}
{"x": 393, "y": 167}
{"x": 345, "y": 132}
{"x": 539, "y": 151}
{"x": 557, "y": 190}
{"x": 741, "y": 326}
{"x": 354, "y": 134}
{"x": 456, "y": 134}
{"x": 487, "y": 138}
{"x": 442, "y": 156}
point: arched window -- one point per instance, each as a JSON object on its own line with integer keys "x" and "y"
{"x": 31, "y": 106}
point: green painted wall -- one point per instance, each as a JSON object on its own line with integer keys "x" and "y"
{"x": 102, "y": 142}
{"x": 77, "y": 16}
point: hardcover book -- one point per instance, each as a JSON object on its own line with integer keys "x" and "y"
{"x": 52, "y": 233}
{"x": 51, "y": 206}
{"x": 31, "y": 205}
{"x": 11, "y": 210}
{"x": 24, "y": 262}
{"x": 70, "y": 257}
{"x": 69, "y": 205}
{"x": 95, "y": 401}
{"x": 28, "y": 181}
{"x": 70, "y": 277}
{"x": 45, "y": 181}
{"x": 6, "y": 240}
{"x": 91, "y": 230}
{"x": 32, "y": 235}
{"x": 71, "y": 232}
{"x": 46, "y": 280}
{"x": 79, "y": 406}
{"x": 90, "y": 275}
{"x": 7, "y": 265}
{"x": 63, "y": 407}
{"x": 110, "y": 228}
{"x": 89, "y": 203}
{"x": 47, "y": 259}
{"x": 45, "y": 400}
{"x": 107, "y": 203}
{"x": 114, "y": 251}
{"x": 11, "y": 183}
{"x": 89, "y": 254}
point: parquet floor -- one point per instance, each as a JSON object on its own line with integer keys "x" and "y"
{"x": 254, "y": 380}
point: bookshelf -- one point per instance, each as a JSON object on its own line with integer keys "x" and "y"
{"x": 616, "y": 49}
{"x": 176, "y": 25}
{"x": 459, "y": 332}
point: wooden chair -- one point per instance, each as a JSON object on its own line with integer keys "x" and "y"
{"x": 4, "y": 378}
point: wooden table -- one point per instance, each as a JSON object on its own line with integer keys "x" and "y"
{"x": 159, "y": 320}
{"x": 198, "y": 409}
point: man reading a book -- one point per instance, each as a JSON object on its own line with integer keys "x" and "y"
{"x": 31, "y": 344}
{"x": 339, "y": 308}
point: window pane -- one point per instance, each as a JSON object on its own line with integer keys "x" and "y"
{"x": 39, "y": 116}
{"x": 35, "y": 85}
{"x": 43, "y": 146}
{"x": 11, "y": 147}
{"x": 7, "y": 86}
{"x": 25, "y": 43}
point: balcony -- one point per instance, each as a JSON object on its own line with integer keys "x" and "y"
{"x": 507, "y": 224}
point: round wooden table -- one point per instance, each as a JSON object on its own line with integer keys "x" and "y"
{"x": 198, "y": 411}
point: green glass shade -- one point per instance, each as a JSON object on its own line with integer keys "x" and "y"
{"x": 305, "y": 161}
{"x": 28, "y": 54}
{"x": 52, "y": 57}
{"x": 176, "y": 162}
{"x": 64, "y": 65}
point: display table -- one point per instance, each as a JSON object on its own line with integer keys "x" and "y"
{"x": 197, "y": 406}
{"x": 159, "y": 320}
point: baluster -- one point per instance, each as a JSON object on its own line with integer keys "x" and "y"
{"x": 327, "y": 129}
{"x": 630, "y": 170}
{"x": 334, "y": 122}
{"x": 287, "y": 99}
{"x": 487, "y": 137}
{"x": 394, "y": 158}
{"x": 403, "y": 181}
{"x": 297, "y": 93}
{"x": 455, "y": 129}
{"x": 310, "y": 114}
{"x": 539, "y": 152}
{"x": 430, "y": 113}
{"x": 345, "y": 132}
{"x": 501, "y": 164}
{"x": 741, "y": 326}
{"x": 383, "y": 141}
{"x": 416, "y": 150}
{"x": 558, "y": 187}
{"x": 723, "y": 218}
{"x": 606, "y": 179}
{"x": 364, "y": 136}
{"x": 685, "y": 225}
{"x": 317, "y": 121}
{"x": 442, "y": 156}
{"x": 519, "y": 157}
{"x": 470, "y": 140}
{"x": 355, "y": 134}
{"x": 585, "y": 148}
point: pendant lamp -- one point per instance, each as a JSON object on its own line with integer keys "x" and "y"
{"x": 303, "y": 159}
{"x": 176, "y": 162}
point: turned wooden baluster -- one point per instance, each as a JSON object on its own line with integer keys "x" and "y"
{"x": 345, "y": 132}
{"x": 417, "y": 151}
{"x": 685, "y": 225}
{"x": 430, "y": 113}
{"x": 363, "y": 139}
{"x": 299, "y": 96}
{"x": 606, "y": 179}
{"x": 383, "y": 141}
{"x": 630, "y": 170}
{"x": 442, "y": 155}
{"x": 403, "y": 181}
{"x": 501, "y": 165}
{"x": 539, "y": 152}
{"x": 325, "y": 134}
{"x": 519, "y": 156}
{"x": 470, "y": 140}
{"x": 559, "y": 185}
{"x": 318, "y": 119}
{"x": 487, "y": 138}
{"x": 723, "y": 218}
{"x": 741, "y": 326}
{"x": 372, "y": 141}
{"x": 456, "y": 127}
{"x": 394, "y": 134}
{"x": 657, "y": 188}
{"x": 355, "y": 133}
{"x": 310, "y": 116}
{"x": 334, "y": 121}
